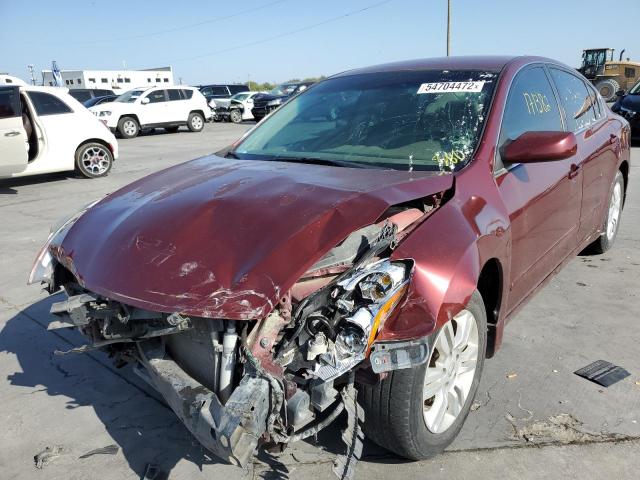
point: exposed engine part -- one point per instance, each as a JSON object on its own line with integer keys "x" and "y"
{"x": 322, "y": 394}
{"x": 228, "y": 362}
{"x": 299, "y": 412}
{"x": 316, "y": 346}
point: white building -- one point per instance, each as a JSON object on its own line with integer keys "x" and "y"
{"x": 117, "y": 80}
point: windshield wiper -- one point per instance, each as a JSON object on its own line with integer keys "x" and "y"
{"x": 231, "y": 154}
{"x": 322, "y": 161}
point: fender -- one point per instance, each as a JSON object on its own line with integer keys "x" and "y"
{"x": 449, "y": 250}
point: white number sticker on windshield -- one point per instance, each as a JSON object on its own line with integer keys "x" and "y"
{"x": 451, "y": 87}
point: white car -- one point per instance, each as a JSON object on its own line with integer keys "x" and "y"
{"x": 144, "y": 108}
{"x": 44, "y": 130}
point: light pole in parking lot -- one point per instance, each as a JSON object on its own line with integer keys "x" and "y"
{"x": 448, "y": 28}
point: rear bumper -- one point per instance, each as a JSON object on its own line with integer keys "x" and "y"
{"x": 230, "y": 431}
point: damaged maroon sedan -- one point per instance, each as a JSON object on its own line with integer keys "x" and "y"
{"x": 359, "y": 251}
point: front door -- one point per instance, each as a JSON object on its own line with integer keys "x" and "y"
{"x": 157, "y": 111}
{"x": 13, "y": 136}
{"x": 543, "y": 199}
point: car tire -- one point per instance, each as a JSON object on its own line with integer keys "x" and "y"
{"x": 401, "y": 419}
{"x": 93, "y": 160}
{"x": 128, "y": 127}
{"x": 235, "y": 116}
{"x": 195, "y": 122}
{"x": 171, "y": 129}
{"x": 608, "y": 88}
{"x": 611, "y": 222}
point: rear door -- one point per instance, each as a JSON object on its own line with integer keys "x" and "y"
{"x": 598, "y": 146}
{"x": 543, "y": 199}
{"x": 13, "y": 137}
{"x": 178, "y": 107}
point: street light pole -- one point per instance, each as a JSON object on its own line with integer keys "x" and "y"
{"x": 448, "y": 28}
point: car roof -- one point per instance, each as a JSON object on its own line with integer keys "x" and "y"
{"x": 477, "y": 62}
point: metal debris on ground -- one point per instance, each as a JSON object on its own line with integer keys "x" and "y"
{"x": 512, "y": 375}
{"x": 47, "y": 455}
{"x": 602, "y": 372}
{"x": 108, "y": 450}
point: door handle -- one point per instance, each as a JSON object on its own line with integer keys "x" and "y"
{"x": 613, "y": 138}
{"x": 12, "y": 134}
{"x": 574, "y": 170}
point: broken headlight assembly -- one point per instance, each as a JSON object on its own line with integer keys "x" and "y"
{"x": 42, "y": 270}
{"x": 340, "y": 324}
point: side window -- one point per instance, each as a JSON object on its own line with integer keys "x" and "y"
{"x": 206, "y": 91}
{"x": 575, "y": 98}
{"x": 187, "y": 94}
{"x": 9, "y": 103}
{"x": 531, "y": 107}
{"x": 156, "y": 96}
{"x": 47, "y": 104}
{"x": 629, "y": 72}
{"x": 220, "y": 91}
{"x": 595, "y": 100}
{"x": 174, "y": 94}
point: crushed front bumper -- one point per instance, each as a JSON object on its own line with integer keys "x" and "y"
{"x": 230, "y": 431}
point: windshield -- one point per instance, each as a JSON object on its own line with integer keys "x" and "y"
{"x": 423, "y": 120}
{"x": 594, "y": 57}
{"x": 240, "y": 96}
{"x": 130, "y": 96}
{"x": 635, "y": 90}
{"x": 284, "y": 89}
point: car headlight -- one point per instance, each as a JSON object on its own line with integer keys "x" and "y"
{"x": 42, "y": 270}
{"x": 274, "y": 103}
{"x": 105, "y": 113}
{"x": 363, "y": 300}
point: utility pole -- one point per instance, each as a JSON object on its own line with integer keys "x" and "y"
{"x": 31, "y": 68}
{"x": 448, "y": 28}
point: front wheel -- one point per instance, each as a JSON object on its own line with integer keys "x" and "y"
{"x": 612, "y": 220}
{"x": 195, "y": 122}
{"x": 608, "y": 88}
{"x": 93, "y": 160}
{"x": 416, "y": 413}
{"x": 128, "y": 127}
{"x": 236, "y": 116}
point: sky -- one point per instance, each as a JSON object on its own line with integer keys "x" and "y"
{"x": 276, "y": 40}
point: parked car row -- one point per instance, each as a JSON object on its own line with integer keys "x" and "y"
{"x": 628, "y": 106}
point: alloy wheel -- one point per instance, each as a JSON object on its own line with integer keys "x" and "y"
{"x": 129, "y": 127}
{"x": 96, "y": 160}
{"x": 450, "y": 372}
{"x": 196, "y": 122}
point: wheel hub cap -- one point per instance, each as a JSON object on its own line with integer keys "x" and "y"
{"x": 450, "y": 372}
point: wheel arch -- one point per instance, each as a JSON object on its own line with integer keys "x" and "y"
{"x": 101, "y": 141}
{"x": 624, "y": 169}
{"x": 132, "y": 115}
{"x": 490, "y": 285}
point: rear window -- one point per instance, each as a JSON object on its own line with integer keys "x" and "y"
{"x": 238, "y": 88}
{"x": 47, "y": 104}
{"x": 9, "y": 102}
{"x": 575, "y": 98}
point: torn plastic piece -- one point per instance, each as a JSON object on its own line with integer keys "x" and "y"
{"x": 389, "y": 356}
{"x": 602, "y": 372}
{"x": 108, "y": 450}
{"x": 353, "y": 436}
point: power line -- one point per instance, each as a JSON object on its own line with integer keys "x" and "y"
{"x": 284, "y": 34}
{"x": 184, "y": 27}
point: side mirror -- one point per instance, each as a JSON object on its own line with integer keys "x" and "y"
{"x": 144, "y": 101}
{"x": 620, "y": 93}
{"x": 533, "y": 147}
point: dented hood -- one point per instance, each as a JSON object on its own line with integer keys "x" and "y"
{"x": 227, "y": 238}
